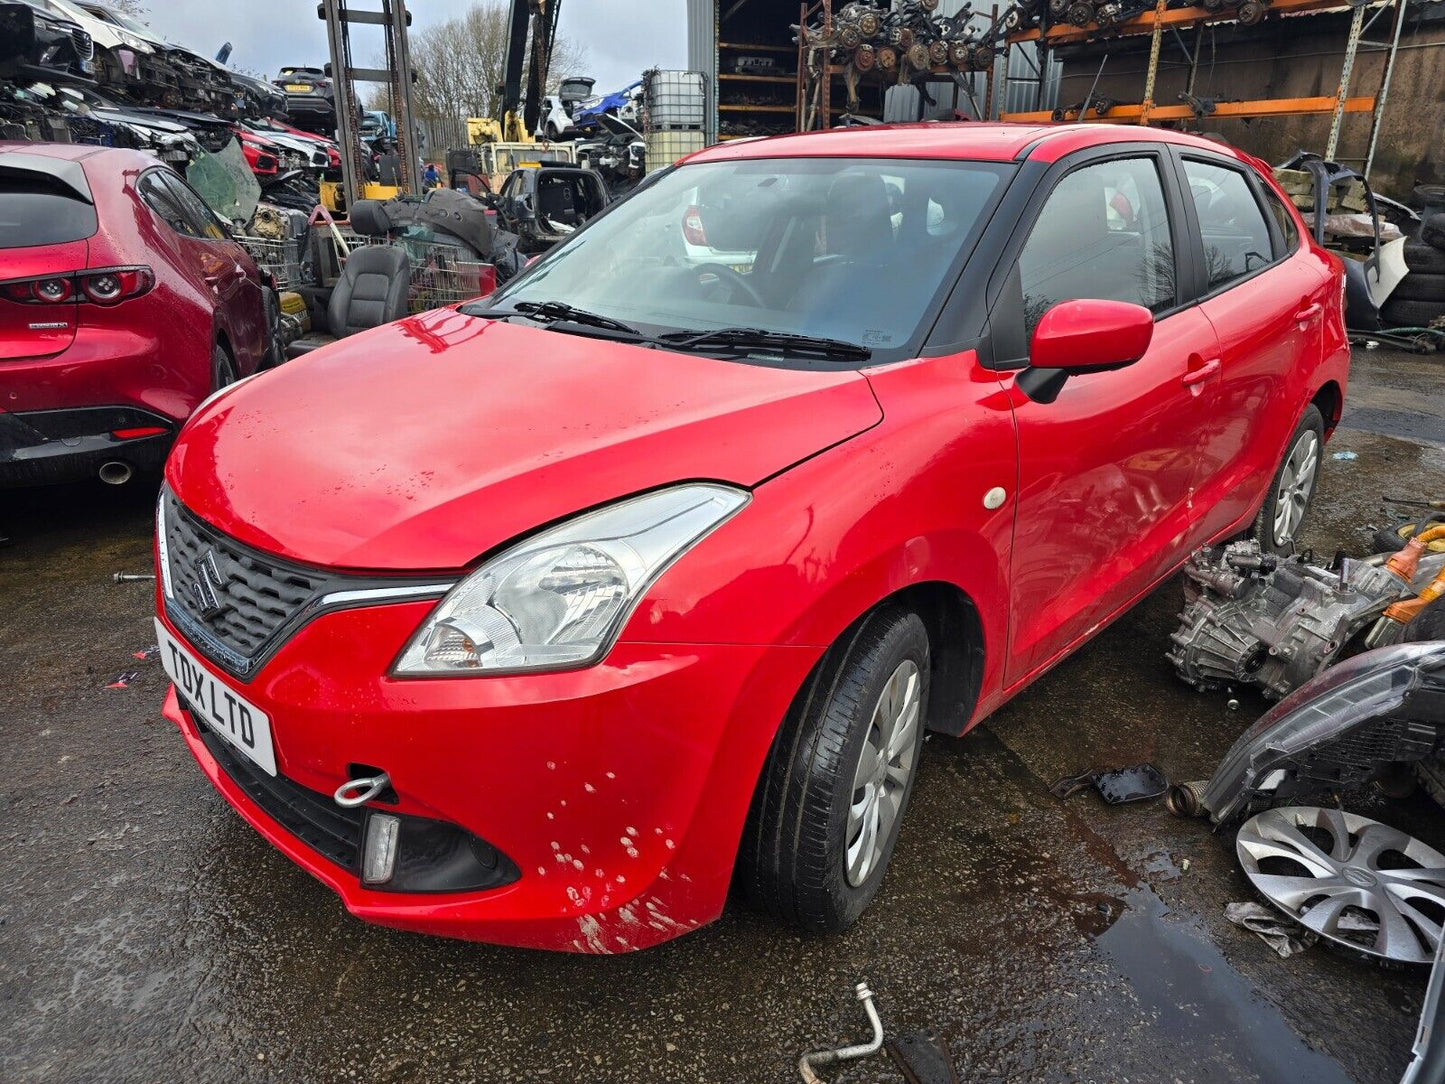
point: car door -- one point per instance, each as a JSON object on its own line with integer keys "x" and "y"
{"x": 1106, "y": 470}
{"x": 225, "y": 267}
{"x": 1266, "y": 302}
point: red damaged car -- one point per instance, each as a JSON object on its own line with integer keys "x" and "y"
{"x": 123, "y": 304}
{"x": 544, "y": 620}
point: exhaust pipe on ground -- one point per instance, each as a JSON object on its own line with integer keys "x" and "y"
{"x": 116, "y": 472}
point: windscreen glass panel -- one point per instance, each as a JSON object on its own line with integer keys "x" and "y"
{"x": 850, "y": 249}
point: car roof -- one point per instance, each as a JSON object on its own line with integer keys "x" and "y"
{"x": 953, "y": 140}
{"x": 72, "y": 157}
{"x": 68, "y": 152}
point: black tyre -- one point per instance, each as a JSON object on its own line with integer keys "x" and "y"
{"x": 1432, "y": 230}
{"x": 273, "y": 355}
{"x": 835, "y": 788}
{"x": 1403, "y": 312}
{"x": 1420, "y": 286}
{"x": 223, "y": 369}
{"x": 1293, "y": 485}
{"x": 1393, "y": 538}
{"x": 1429, "y": 624}
{"x": 1422, "y": 257}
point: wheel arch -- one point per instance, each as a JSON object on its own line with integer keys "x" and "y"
{"x": 956, "y": 649}
{"x": 1330, "y": 399}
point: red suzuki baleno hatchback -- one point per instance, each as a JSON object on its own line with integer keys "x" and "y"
{"x": 541, "y": 620}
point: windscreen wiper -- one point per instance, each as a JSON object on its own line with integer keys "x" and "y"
{"x": 557, "y": 310}
{"x": 756, "y": 338}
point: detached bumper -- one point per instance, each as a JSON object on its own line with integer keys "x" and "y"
{"x": 618, "y": 792}
{"x": 41, "y": 447}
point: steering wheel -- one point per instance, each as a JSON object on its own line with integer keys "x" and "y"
{"x": 722, "y": 271}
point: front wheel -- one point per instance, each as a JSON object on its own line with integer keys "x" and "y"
{"x": 1278, "y": 522}
{"x": 223, "y": 369}
{"x": 833, "y": 793}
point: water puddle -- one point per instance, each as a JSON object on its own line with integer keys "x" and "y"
{"x": 1199, "y": 1000}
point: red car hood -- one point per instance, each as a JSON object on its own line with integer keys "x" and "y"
{"x": 422, "y": 444}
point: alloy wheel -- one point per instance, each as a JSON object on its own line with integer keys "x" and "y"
{"x": 1350, "y": 879}
{"x": 1296, "y": 484}
{"x": 885, "y": 764}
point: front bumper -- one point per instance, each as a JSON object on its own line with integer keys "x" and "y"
{"x": 42, "y": 447}
{"x": 618, "y": 791}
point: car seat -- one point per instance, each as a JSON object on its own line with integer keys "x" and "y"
{"x": 372, "y": 291}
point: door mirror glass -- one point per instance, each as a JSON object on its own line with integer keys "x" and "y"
{"x": 1091, "y": 336}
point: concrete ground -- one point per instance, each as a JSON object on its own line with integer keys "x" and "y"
{"x": 147, "y": 933}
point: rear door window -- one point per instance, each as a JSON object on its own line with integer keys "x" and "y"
{"x": 34, "y": 210}
{"x": 1288, "y": 231}
{"x": 157, "y": 195}
{"x": 198, "y": 215}
{"x": 1231, "y": 223}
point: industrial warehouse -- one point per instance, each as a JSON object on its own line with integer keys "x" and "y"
{"x": 874, "y": 541}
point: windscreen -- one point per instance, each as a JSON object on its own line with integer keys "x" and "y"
{"x": 856, "y": 249}
{"x": 36, "y": 211}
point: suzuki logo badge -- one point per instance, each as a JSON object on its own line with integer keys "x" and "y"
{"x": 208, "y": 583}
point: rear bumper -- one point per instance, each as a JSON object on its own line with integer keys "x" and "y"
{"x": 43, "y": 447}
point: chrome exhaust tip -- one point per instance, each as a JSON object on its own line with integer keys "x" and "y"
{"x": 116, "y": 472}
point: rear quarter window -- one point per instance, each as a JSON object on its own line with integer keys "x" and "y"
{"x": 36, "y": 211}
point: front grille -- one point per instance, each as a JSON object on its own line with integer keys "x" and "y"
{"x": 313, "y": 818}
{"x": 84, "y": 47}
{"x": 235, "y": 600}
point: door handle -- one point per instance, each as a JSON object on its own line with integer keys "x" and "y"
{"x": 1308, "y": 313}
{"x": 1201, "y": 374}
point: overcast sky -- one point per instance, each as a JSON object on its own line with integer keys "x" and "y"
{"x": 623, "y": 37}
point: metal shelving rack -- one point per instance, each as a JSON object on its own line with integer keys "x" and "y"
{"x": 1175, "y": 20}
{"x": 808, "y": 110}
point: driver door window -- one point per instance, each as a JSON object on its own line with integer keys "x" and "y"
{"x": 1104, "y": 233}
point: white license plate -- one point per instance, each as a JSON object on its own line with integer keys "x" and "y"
{"x": 216, "y": 706}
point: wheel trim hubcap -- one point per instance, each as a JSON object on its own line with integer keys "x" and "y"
{"x": 885, "y": 765}
{"x": 1296, "y": 484}
{"x": 1351, "y": 880}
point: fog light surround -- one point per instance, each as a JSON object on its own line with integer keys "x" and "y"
{"x": 378, "y": 852}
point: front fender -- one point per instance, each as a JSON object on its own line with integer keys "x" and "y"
{"x": 824, "y": 542}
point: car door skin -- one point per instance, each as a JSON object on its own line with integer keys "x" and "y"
{"x": 1270, "y": 327}
{"x": 229, "y": 274}
{"x": 1105, "y": 492}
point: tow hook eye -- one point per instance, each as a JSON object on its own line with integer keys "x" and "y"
{"x": 355, "y": 792}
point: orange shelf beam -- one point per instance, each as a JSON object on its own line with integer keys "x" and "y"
{"x": 1262, "y": 107}
{"x": 1144, "y": 24}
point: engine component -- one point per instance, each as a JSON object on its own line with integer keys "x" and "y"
{"x": 1352, "y": 880}
{"x": 1274, "y": 622}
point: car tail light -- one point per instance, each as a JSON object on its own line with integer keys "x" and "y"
{"x": 138, "y": 432}
{"x": 692, "y": 227}
{"x": 102, "y": 286}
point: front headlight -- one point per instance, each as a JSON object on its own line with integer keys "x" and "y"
{"x": 559, "y": 599}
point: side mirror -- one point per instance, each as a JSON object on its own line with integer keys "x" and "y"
{"x": 1085, "y": 336}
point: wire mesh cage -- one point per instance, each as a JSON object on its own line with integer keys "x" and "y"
{"x": 666, "y": 147}
{"x": 673, "y": 100}
{"x": 282, "y": 257}
{"x": 444, "y": 275}
{"x": 441, "y": 274}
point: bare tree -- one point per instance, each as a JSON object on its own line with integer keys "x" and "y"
{"x": 459, "y": 65}
{"x": 129, "y": 7}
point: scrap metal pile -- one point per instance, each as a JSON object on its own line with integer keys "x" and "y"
{"x": 868, "y": 37}
{"x": 78, "y": 71}
{"x": 1103, "y": 14}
